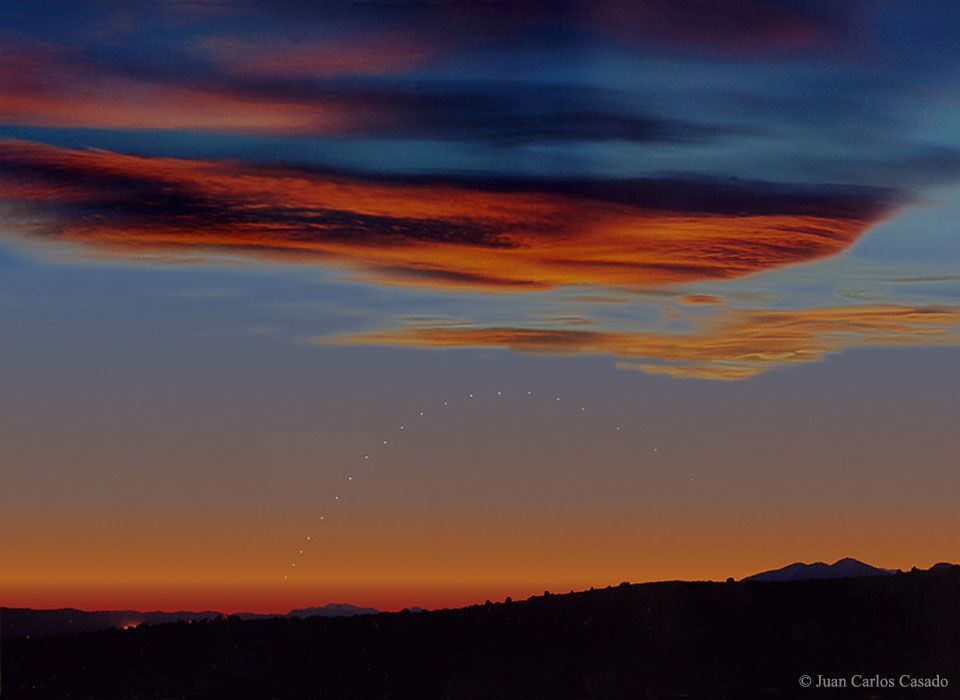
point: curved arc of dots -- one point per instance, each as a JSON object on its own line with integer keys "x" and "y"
{"x": 402, "y": 427}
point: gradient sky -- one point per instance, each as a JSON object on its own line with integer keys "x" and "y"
{"x": 241, "y": 243}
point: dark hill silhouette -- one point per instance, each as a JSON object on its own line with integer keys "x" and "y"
{"x": 739, "y": 640}
{"x": 842, "y": 568}
{"x": 942, "y": 566}
{"x": 26, "y": 622}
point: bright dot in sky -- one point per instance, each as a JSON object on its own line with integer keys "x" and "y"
{"x": 421, "y": 413}
{"x": 284, "y": 578}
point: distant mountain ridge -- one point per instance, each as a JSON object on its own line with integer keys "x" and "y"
{"x": 328, "y": 610}
{"x": 27, "y": 622}
{"x": 848, "y": 567}
{"x": 653, "y": 641}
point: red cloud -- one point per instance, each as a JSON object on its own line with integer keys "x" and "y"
{"x": 486, "y": 235}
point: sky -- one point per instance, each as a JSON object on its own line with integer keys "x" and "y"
{"x": 674, "y": 285}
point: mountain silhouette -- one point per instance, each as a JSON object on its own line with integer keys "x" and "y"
{"x": 328, "y": 610}
{"x": 653, "y": 641}
{"x": 942, "y": 566}
{"x": 847, "y": 567}
{"x": 28, "y": 622}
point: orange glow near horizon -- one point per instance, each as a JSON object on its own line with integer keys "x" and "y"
{"x": 430, "y": 572}
{"x": 387, "y": 597}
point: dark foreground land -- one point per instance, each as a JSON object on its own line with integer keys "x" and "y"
{"x": 662, "y": 640}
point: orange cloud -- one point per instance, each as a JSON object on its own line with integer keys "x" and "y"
{"x": 741, "y": 344}
{"x": 461, "y": 233}
{"x": 695, "y": 299}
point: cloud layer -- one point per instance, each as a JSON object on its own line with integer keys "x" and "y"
{"x": 358, "y": 86}
{"x": 468, "y": 232}
{"x": 733, "y": 345}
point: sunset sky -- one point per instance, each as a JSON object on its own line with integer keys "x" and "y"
{"x": 675, "y": 285}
